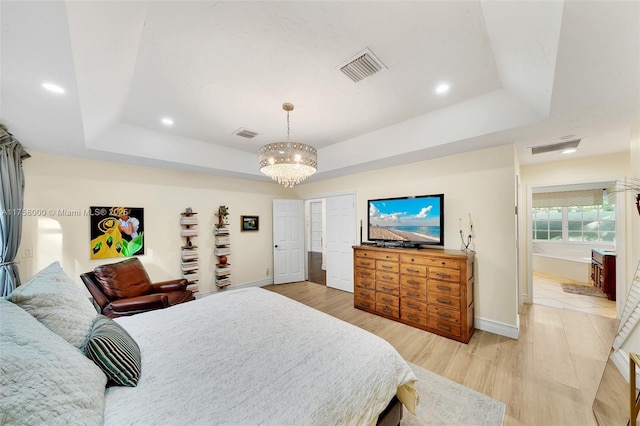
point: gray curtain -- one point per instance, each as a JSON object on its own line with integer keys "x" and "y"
{"x": 11, "y": 202}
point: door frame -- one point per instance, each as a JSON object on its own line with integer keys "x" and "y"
{"x": 621, "y": 241}
{"x": 307, "y": 212}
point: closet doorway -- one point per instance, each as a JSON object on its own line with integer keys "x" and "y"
{"x": 315, "y": 249}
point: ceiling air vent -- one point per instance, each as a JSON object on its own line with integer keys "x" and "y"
{"x": 245, "y": 133}
{"x": 560, "y": 146}
{"x": 363, "y": 65}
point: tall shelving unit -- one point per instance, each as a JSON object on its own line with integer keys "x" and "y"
{"x": 189, "y": 251}
{"x": 222, "y": 251}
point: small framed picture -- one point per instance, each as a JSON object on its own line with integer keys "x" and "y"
{"x": 250, "y": 223}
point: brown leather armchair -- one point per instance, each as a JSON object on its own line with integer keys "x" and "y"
{"x": 124, "y": 288}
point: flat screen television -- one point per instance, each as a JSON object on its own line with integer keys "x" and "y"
{"x": 407, "y": 221}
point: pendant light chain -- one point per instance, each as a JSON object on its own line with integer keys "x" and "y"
{"x": 288, "y": 128}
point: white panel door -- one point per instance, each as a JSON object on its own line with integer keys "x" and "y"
{"x": 341, "y": 237}
{"x": 288, "y": 241}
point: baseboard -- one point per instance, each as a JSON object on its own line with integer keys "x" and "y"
{"x": 620, "y": 359}
{"x": 496, "y": 327}
{"x": 259, "y": 283}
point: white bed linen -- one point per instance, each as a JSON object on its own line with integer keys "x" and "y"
{"x": 251, "y": 356}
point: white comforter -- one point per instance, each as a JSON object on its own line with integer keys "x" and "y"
{"x": 251, "y": 356}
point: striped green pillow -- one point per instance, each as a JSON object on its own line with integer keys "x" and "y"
{"x": 114, "y": 351}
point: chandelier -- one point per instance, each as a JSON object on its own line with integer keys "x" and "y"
{"x": 288, "y": 163}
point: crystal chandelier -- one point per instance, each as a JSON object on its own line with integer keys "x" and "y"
{"x": 288, "y": 163}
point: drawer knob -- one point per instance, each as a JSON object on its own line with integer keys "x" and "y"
{"x": 412, "y": 306}
{"x": 413, "y": 282}
{"x": 446, "y": 302}
{"x": 444, "y": 327}
{"x": 444, "y": 288}
{"x": 386, "y": 299}
{"x": 413, "y": 270}
{"x": 444, "y": 314}
{"x": 413, "y": 294}
{"x": 440, "y": 274}
{"x": 412, "y": 318}
{"x": 386, "y": 266}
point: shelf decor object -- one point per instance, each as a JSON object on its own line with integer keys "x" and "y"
{"x": 288, "y": 163}
{"x": 189, "y": 251}
{"x": 222, "y": 248}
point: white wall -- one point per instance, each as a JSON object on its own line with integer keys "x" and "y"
{"x": 54, "y": 182}
{"x": 633, "y": 242}
{"x": 479, "y": 183}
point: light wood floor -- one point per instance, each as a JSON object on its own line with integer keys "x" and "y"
{"x": 549, "y": 376}
{"x": 547, "y": 290}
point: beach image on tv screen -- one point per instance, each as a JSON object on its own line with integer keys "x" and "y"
{"x": 406, "y": 219}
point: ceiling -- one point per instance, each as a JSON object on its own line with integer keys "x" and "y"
{"x": 524, "y": 73}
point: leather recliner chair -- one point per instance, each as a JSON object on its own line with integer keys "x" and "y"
{"x": 124, "y": 288}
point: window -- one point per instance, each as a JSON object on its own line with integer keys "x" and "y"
{"x": 592, "y": 224}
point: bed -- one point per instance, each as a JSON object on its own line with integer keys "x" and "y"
{"x": 240, "y": 357}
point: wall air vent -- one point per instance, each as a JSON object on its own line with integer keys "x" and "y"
{"x": 363, "y": 65}
{"x": 245, "y": 133}
{"x": 560, "y": 146}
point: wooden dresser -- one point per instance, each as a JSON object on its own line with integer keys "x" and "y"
{"x": 427, "y": 289}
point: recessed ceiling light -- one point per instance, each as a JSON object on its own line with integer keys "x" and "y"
{"x": 167, "y": 121}
{"x": 52, "y": 87}
{"x": 442, "y": 88}
{"x": 569, "y": 151}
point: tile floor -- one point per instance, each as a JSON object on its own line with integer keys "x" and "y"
{"x": 548, "y": 291}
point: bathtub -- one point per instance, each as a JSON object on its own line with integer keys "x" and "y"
{"x": 574, "y": 268}
{"x": 565, "y": 260}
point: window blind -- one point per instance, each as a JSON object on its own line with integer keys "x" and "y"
{"x": 586, "y": 197}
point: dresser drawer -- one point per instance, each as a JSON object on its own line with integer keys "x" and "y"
{"x": 445, "y": 274}
{"x": 378, "y": 255}
{"x": 387, "y": 299}
{"x": 389, "y": 288}
{"x": 444, "y": 262}
{"x": 443, "y": 326}
{"x": 414, "y": 317}
{"x": 417, "y": 282}
{"x": 365, "y": 273}
{"x": 365, "y": 294}
{"x": 387, "y": 277}
{"x": 391, "y": 311}
{"x": 414, "y": 293}
{"x": 444, "y": 314}
{"x": 366, "y": 283}
{"x": 410, "y": 305}
{"x": 363, "y": 262}
{"x": 444, "y": 287}
{"x": 385, "y": 265}
{"x": 407, "y": 268}
{"x": 443, "y": 300}
{"x": 414, "y": 260}
{"x": 364, "y": 304}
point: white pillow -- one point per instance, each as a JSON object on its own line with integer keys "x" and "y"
{"x": 58, "y": 303}
{"x": 44, "y": 379}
